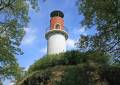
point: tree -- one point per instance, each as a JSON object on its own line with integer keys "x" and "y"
{"x": 13, "y": 17}
{"x": 104, "y": 15}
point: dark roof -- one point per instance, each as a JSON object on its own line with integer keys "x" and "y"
{"x": 57, "y": 13}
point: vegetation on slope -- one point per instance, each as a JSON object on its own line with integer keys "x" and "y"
{"x": 72, "y": 68}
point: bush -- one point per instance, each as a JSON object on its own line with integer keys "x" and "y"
{"x": 69, "y": 68}
{"x": 69, "y": 58}
{"x": 112, "y": 74}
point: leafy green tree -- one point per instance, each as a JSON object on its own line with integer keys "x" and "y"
{"x": 104, "y": 15}
{"x": 13, "y": 17}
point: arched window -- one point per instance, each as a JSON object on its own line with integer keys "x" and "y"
{"x": 57, "y": 26}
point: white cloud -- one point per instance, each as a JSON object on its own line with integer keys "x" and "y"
{"x": 12, "y": 82}
{"x": 81, "y": 30}
{"x": 30, "y": 36}
{"x": 43, "y": 50}
{"x": 26, "y": 68}
{"x": 28, "y": 40}
{"x": 71, "y": 43}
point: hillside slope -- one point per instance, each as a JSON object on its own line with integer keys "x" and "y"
{"x": 72, "y": 68}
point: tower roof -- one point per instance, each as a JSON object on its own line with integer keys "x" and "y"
{"x": 57, "y": 13}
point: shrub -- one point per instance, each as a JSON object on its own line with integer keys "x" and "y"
{"x": 69, "y": 58}
{"x": 77, "y": 68}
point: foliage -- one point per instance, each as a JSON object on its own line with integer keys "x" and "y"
{"x": 85, "y": 74}
{"x": 37, "y": 77}
{"x": 112, "y": 74}
{"x": 70, "y": 68}
{"x": 52, "y": 60}
{"x": 104, "y": 15}
{"x": 68, "y": 58}
{"x": 80, "y": 75}
{"x": 13, "y": 17}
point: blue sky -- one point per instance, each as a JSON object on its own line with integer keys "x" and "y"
{"x": 34, "y": 44}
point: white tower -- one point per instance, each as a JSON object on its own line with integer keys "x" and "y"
{"x": 56, "y": 36}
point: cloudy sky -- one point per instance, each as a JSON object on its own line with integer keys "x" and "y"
{"x": 34, "y": 44}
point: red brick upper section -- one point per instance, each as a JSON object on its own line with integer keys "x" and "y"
{"x": 57, "y": 22}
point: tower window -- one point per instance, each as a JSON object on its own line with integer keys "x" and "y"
{"x": 57, "y": 26}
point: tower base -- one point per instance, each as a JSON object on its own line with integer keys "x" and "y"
{"x": 56, "y": 41}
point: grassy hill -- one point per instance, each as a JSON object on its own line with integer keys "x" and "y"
{"x": 72, "y": 68}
